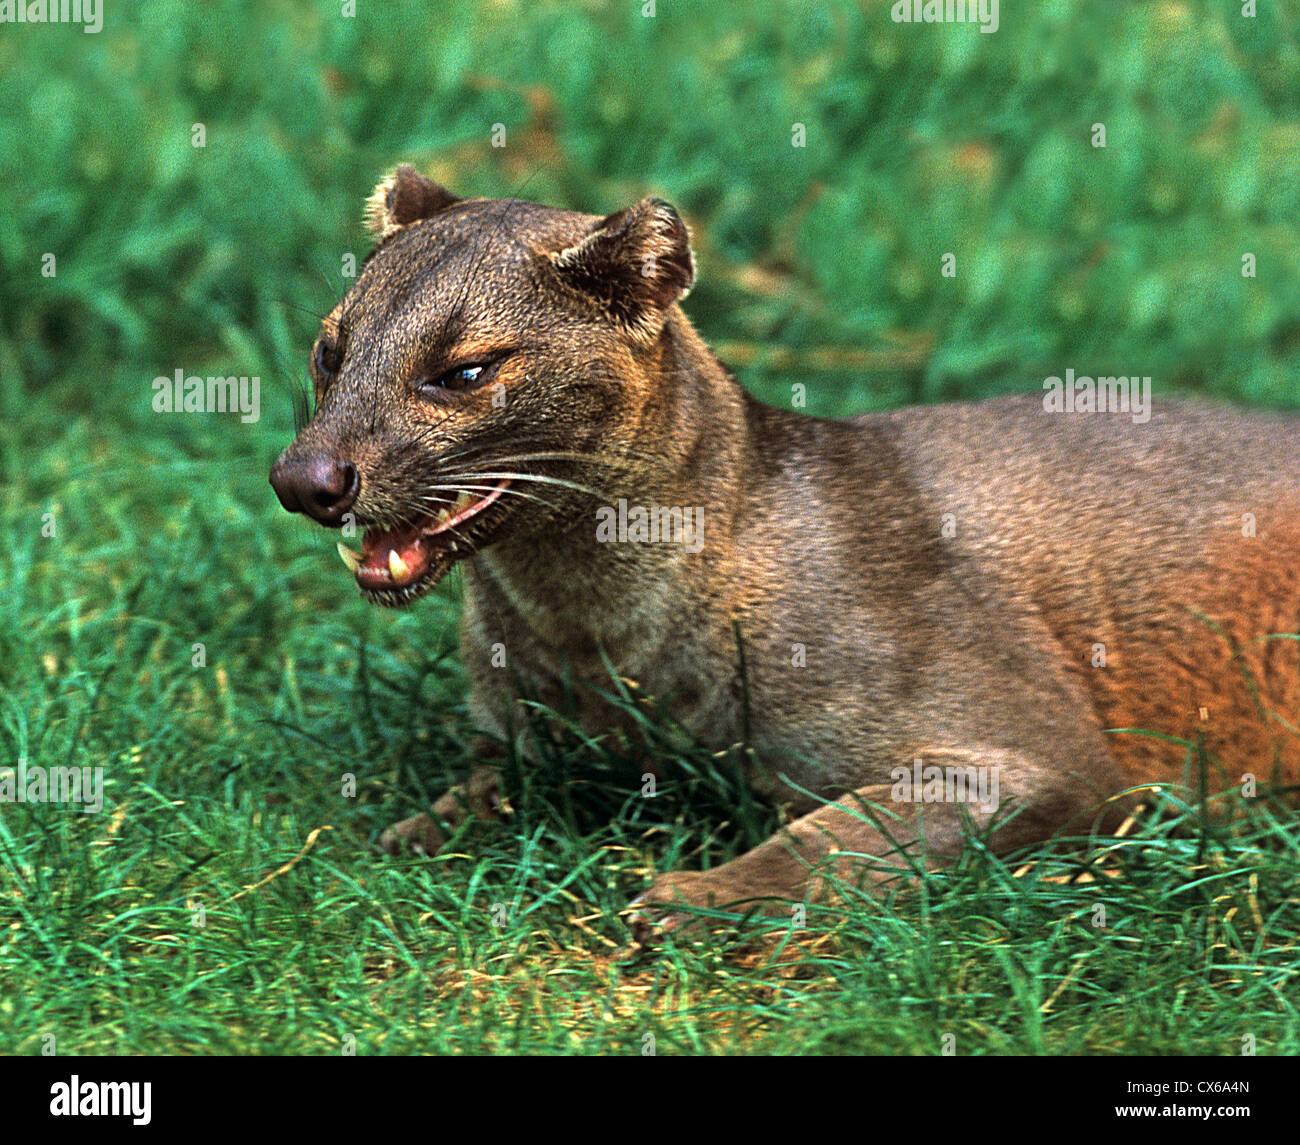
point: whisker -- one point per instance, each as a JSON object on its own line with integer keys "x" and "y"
{"x": 303, "y": 309}
{"x": 443, "y": 502}
{"x": 539, "y": 478}
{"x": 559, "y": 455}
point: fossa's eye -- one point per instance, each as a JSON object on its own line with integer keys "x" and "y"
{"x": 460, "y": 378}
{"x": 469, "y": 376}
{"x": 328, "y": 357}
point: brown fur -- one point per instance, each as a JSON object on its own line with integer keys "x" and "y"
{"x": 976, "y": 648}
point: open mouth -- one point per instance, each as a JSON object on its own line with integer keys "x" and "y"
{"x": 399, "y": 565}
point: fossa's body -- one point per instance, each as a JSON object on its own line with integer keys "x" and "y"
{"x": 986, "y": 585}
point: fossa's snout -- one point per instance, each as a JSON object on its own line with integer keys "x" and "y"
{"x": 322, "y": 487}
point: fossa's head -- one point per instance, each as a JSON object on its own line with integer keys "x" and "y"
{"x": 493, "y": 360}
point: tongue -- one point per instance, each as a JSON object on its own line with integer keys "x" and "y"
{"x": 379, "y": 570}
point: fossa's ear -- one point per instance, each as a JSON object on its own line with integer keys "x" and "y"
{"x": 636, "y": 263}
{"x": 402, "y": 198}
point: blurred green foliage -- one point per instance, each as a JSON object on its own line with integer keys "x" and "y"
{"x": 920, "y": 141}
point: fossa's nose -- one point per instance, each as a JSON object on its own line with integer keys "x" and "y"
{"x": 322, "y": 487}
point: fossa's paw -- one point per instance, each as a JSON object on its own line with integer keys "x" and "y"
{"x": 418, "y": 835}
{"x": 659, "y": 909}
{"x": 479, "y": 797}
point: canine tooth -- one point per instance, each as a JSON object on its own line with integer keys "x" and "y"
{"x": 351, "y": 558}
{"x": 464, "y": 501}
{"x": 398, "y": 567}
{"x": 444, "y": 515}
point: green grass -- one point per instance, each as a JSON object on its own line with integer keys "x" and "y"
{"x": 225, "y": 796}
{"x": 228, "y": 903}
{"x": 227, "y": 899}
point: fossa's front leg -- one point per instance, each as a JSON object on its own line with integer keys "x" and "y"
{"x": 1036, "y": 799}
